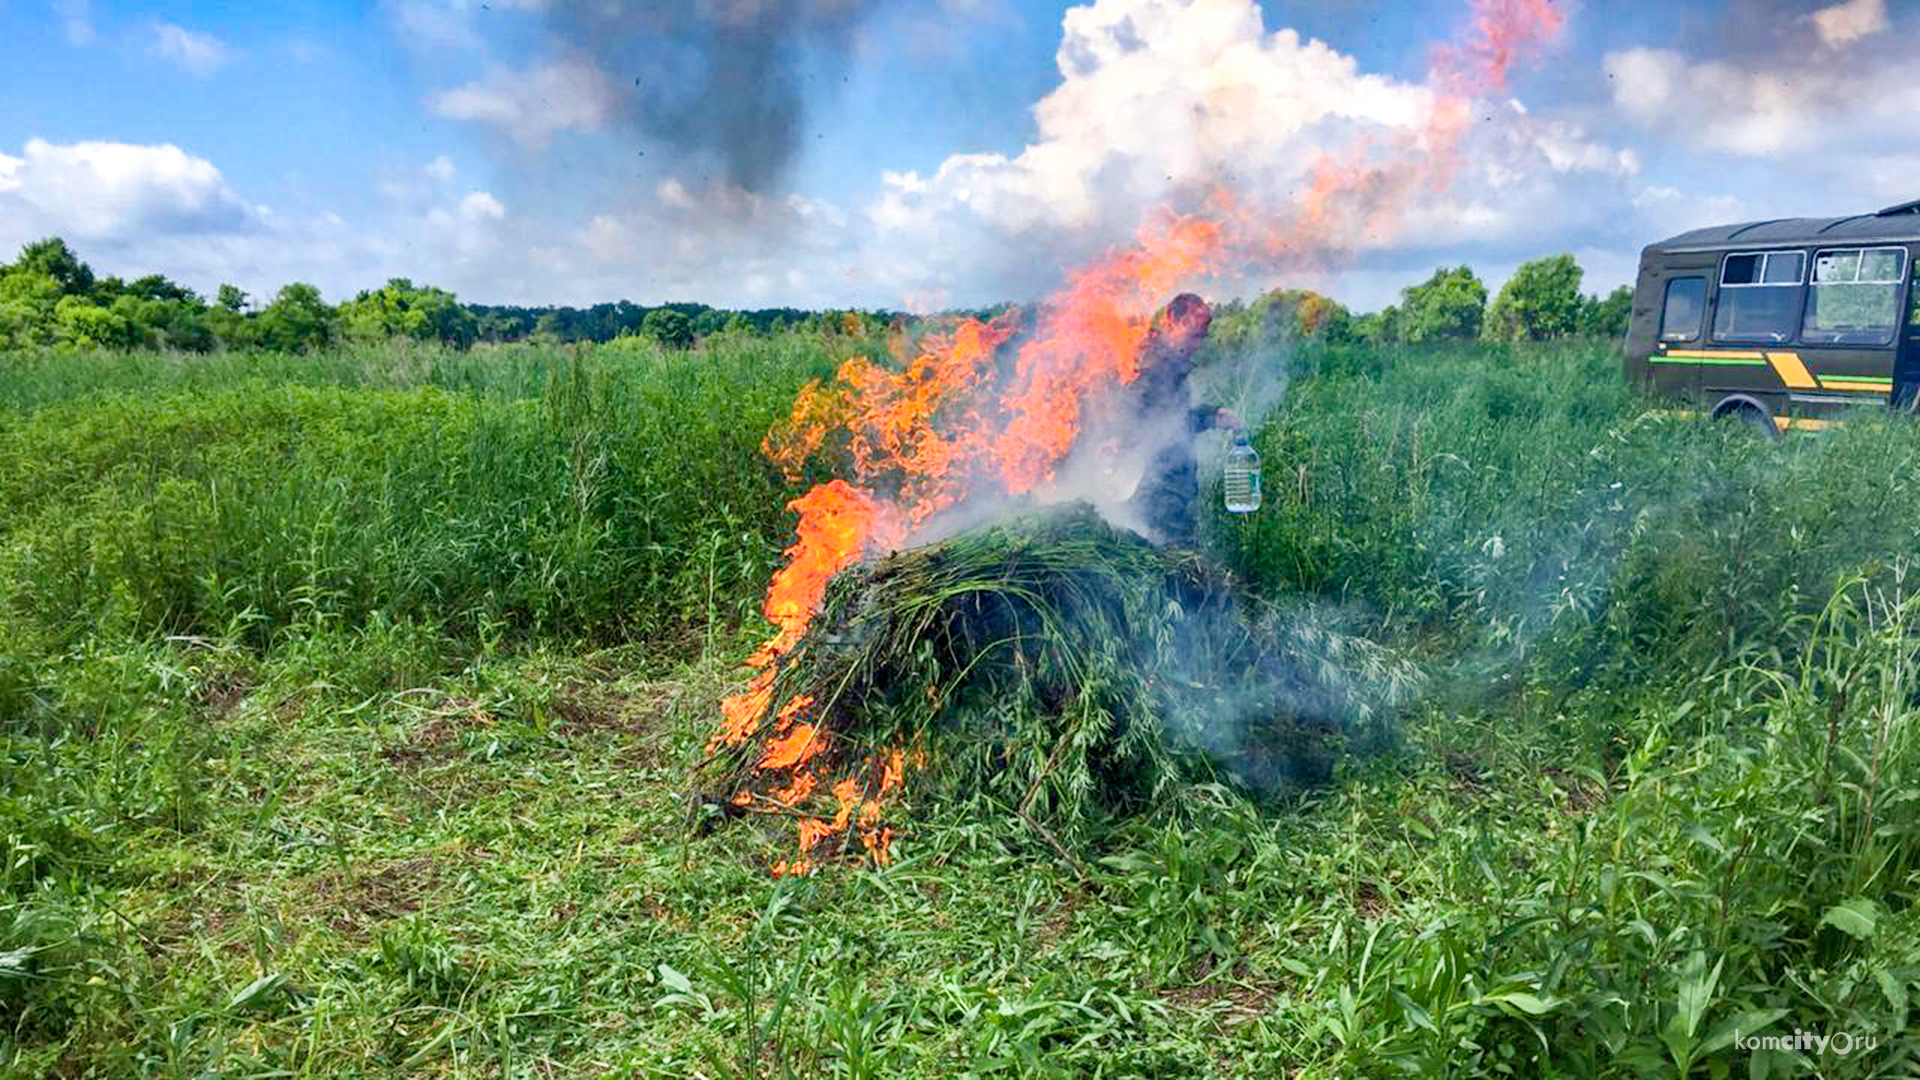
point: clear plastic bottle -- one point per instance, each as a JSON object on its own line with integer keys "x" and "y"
{"x": 1242, "y": 477}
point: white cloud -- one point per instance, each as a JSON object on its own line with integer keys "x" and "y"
{"x": 1161, "y": 101}
{"x": 192, "y": 52}
{"x": 531, "y": 106}
{"x": 131, "y": 210}
{"x": 448, "y": 24}
{"x": 1156, "y": 95}
{"x": 1845, "y": 23}
{"x": 1158, "y": 101}
{"x": 1742, "y": 109}
{"x": 113, "y": 192}
{"x": 1766, "y": 108}
{"x": 1157, "y": 98}
{"x": 482, "y": 206}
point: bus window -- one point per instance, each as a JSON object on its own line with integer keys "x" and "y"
{"x": 1759, "y": 296}
{"x": 1686, "y": 302}
{"x": 1855, "y": 297}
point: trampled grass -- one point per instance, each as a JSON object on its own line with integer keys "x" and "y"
{"x": 350, "y": 702}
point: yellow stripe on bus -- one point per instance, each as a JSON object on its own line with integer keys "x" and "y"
{"x": 1863, "y": 387}
{"x": 1791, "y": 371}
{"x": 1800, "y": 423}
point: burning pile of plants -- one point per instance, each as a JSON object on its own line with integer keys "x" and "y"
{"x": 1061, "y": 667}
{"x": 974, "y": 602}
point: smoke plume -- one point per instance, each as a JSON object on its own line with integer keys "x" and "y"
{"x": 725, "y": 80}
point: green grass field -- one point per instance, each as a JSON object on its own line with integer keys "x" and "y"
{"x": 349, "y": 703}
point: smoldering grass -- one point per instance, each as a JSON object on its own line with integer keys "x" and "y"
{"x": 1073, "y": 672}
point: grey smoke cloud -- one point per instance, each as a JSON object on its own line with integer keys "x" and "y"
{"x": 725, "y": 79}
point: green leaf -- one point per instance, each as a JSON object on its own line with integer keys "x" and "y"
{"x": 1739, "y": 1026}
{"x": 1531, "y": 1004}
{"x": 1705, "y": 839}
{"x": 257, "y": 992}
{"x": 1896, "y": 992}
{"x": 1696, "y": 991}
{"x": 1856, "y": 917}
{"x": 674, "y": 980}
{"x": 1414, "y": 1012}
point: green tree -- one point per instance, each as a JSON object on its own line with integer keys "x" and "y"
{"x": 166, "y": 323}
{"x": 298, "y": 320}
{"x": 27, "y": 299}
{"x": 233, "y": 329}
{"x": 82, "y": 324}
{"x": 158, "y": 287}
{"x": 55, "y": 259}
{"x": 1540, "y": 301}
{"x": 402, "y": 309}
{"x": 1306, "y": 315}
{"x": 1607, "y": 317}
{"x": 1377, "y": 328}
{"x": 668, "y": 327}
{"x": 231, "y": 298}
{"x": 1449, "y": 305}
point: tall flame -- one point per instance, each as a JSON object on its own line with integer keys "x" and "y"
{"x": 952, "y": 422}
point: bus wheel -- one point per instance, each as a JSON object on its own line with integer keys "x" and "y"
{"x": 1750, "y": 413}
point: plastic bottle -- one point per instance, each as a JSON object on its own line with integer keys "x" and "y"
{"x": 1242, "y": 477}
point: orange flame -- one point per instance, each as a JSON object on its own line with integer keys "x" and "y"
{"x": 949, "y": 419}
{"x": 1502, "y": 33}
{"x": 838, "y": 522}
{"x": 1090, "y": 340}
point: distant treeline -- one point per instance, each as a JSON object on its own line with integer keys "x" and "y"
{"x": 49, "y": 297}
{"x": 604, "y": 322}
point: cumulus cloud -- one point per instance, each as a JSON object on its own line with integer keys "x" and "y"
{"x": 1158, "y": 102}
{"x": 1845, "y": 23}
{"x": 114, "y": 192}
{"x": 132, "y": 209}
{"x": 1161, "y": 101}
{"x": 1738, "y": 108}
{"x": 192, "y": 52}
{"x": 1787, "y": 98}
{"x": 481, "y": 206}
{"x": 532, "y": 106}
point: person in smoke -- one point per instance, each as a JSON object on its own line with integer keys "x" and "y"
{"x": 1168, "y": 489}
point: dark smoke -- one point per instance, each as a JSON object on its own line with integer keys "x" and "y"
{"x": 721, "y": 79}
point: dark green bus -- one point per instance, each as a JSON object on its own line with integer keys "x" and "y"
{"x": 1784, "y": 323}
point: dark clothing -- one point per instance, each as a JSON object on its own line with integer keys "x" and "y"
{"x": 1171, "y": 484}
{"x": 1164, "y": 500}
{"x": 1167, "y": 493}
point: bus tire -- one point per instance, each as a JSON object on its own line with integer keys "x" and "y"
{"x": 1749, "y": 412}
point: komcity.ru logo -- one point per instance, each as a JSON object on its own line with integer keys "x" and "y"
{"x": 1843, "y": 1043}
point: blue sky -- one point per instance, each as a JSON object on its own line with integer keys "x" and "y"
{"x": 943, "y": 151}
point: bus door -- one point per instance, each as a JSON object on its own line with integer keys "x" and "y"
{"x": 1906, "y": 367}
{"x": 1679, "y": 287}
